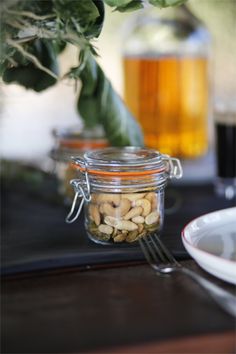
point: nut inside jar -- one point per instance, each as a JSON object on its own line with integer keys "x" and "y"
{"x": 123, "y": 217}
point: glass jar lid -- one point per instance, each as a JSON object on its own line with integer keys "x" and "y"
{"x": 129, "y": 169}
{"x": 126, "y": 161}
{"x": 126, "y": 168}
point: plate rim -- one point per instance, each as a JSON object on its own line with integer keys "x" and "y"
{"x": 185, "y": 240}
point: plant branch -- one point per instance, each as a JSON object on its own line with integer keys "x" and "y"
{"x": 25, "y": 39}
{"x": 12, "y": 61}
{"x": 30, "y": 15}
{"x": 31, "y": 57}
{"x": 14, "y": 24}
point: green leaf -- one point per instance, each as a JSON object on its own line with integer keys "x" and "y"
{"x": 88, "y": 107}
{"x": 166, "y": 3}
{"x": 89, "y": 75}
{"x": 39, "y": 7}
{"x": 3, "y": 67}
{"x": 88, "y": 103}
{"x": 99, "y": 103}
{"x": 98, "y": 24}
{"x": 29, "y": 77}
{"x": 59, "y": 46}
{"x": 125, "y": 5}
{"x": 27, "y": 74}
{"x": 117, "y": 3}
{"x": 84, "y": 17}
{"x": 132, "y": 6}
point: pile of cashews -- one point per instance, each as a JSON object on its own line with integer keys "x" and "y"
{"x": 122, "y": 217}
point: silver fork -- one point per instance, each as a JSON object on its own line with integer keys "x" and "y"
{"x": 163, "y": 262}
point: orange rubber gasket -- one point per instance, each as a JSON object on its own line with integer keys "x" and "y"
{"x": 119, "y": 173}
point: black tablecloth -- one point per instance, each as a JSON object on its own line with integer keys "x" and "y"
{"x": 36, "y": 237}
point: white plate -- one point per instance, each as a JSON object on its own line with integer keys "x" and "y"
{"x": 211, "y": 241}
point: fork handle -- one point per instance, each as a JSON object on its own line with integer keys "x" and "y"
{"x": 222, "y": 297}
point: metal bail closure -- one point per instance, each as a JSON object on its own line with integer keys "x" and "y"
{"x": 79, "y": 192}
{"x": 176, "y": 170}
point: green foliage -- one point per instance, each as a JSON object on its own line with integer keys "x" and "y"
{"x": 83, "y": 17}
{"x": 57, "y": 21}
{"x": 33, "y": 34}
{"x": 131, "y": 5}
{"x": 166, "y": 3}
{"x": 99, "y": 103}
{"x": 117, "y": 3}
{"x": 125, "y": 5}
{"x": 27, "y": 74}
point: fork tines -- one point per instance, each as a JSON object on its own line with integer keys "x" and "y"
{"x": 155, "y": 251}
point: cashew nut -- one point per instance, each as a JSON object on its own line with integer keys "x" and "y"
{"x": 133, "y": 196}
{"x": 105, "y": 229}
{"x": 142, "y": 234}
{"x": 149, "y": 196}
{"x": 133, "y": 212}
{"x": 138, "y": 219}
{"x": 110, "y": 220}
{"x": 126, "y": 225}
{"x": 145, "y": 204}
{"x": 118, "y": 211}
{"x": 119, "y": 238}
{"x": 155, "y": 204}
{"x": 152, "y": 218}
{"x": 94, "y": 214}
{"x": 115, "y": 232}
{"x": 140, "y": 228}
{"x": 132, "y": 236}
{"x": 152, "y": 197}
{"x": 108, "y": 198}
{"x": 124, "y": 206}
{"x": 108, "y": 209}
{"x": 93, "y": 197}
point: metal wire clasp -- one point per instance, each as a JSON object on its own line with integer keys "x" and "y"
{"x": 82, "y": 190}
{"x": 176, "y": 170}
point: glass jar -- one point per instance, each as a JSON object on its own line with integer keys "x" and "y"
{"x": 73, "y": 142}
{"x": 123, "y": 191}
{"x": 166, "y": 81}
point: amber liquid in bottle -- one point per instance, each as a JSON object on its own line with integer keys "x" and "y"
{"x": 169, "y": 97}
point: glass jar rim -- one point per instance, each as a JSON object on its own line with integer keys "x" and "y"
{"x": 68, "y": 147}
{"x": 125, "y": 161}
{"x": 76, "y": 141}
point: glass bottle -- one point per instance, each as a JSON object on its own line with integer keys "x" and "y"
{"x": 166, "y": 81}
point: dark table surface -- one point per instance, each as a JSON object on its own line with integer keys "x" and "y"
{"x": 118, "y": 304}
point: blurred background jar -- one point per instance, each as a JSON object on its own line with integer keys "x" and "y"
{"x": 68, "y": 142}
{"x": 166, "y": 80}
